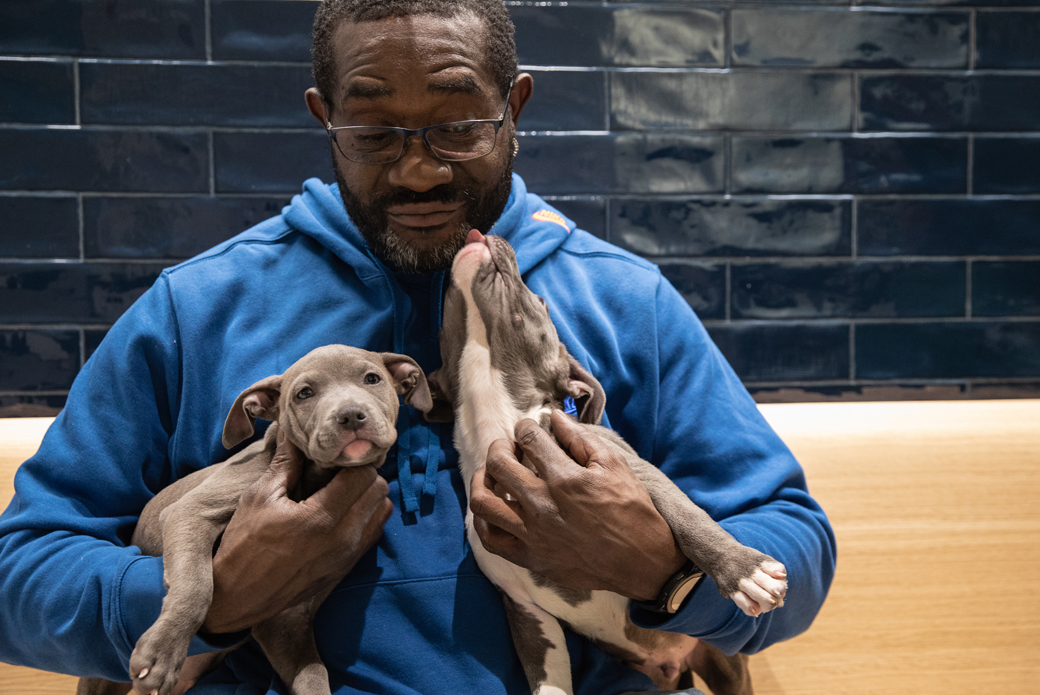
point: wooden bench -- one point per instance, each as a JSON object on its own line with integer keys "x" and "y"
{"x": 936, "y": 506}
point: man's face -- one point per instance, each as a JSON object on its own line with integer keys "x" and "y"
{"x": 411, "y": 72}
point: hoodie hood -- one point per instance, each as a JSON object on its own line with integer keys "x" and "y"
{"x": 319, "y": 212}
{"x": 534, "y": 230}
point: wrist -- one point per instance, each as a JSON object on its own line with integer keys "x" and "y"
{"x": 653, "y": 581}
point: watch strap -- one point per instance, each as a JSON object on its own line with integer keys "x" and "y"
{"x": 675, "y": 590}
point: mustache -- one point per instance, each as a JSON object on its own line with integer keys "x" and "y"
{"x": 444, "y": 193}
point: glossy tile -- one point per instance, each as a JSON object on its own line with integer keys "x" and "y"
{"x": 850, "y": 165}
{"x": 764, "y": 352}
{"x": 31, "y": 406}
{"x": 618, "y": 36}
{"x": 847, "y": 393}
{"x": 71, "y": 292}
{"x": 174, "y": 228}
{"x": 959, "y": 103}
{"x": 104, "y": 28}
{"x": 621, "y": 163}
{"x": 949, "y": 227}
{"x": 103, "y": 160}
{"x": 39, "y": 227}
{"x": 36, "y": 91}
{"x": 948, "y": 350}
{"x": 732, "y": 227}
{"x": 1006, "y": 165}
{"x": 1005, "y": 288}
{"x": 38, "y": 360}
{"x": 262, "y": 30}
{"x": 765, "y": 100}
{"x": 1007, "y": 40}
{"x": 702, "y": 285}
{"x": 839, "y": 38}
{"x": 588, "y": 214}
{"x": 566, "y": 100}
{"x": 91, "y": 339}
{"x": 213, "y": 95}
{"x": 270, "y": 162}
{"x": 847, "y": 290}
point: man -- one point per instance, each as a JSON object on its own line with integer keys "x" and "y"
{"x": 363, "y": 263}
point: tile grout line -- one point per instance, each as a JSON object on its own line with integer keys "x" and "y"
{"x": 82, "y": 346}
{"x": 967, "y": 289}
{"x": 81, "y": 228}
{"x": 854, "y": 229}
{"x": 76, "y": 92}
{"x": 972, "y": 39}
{"x": 212, "y": 165}
{"x": 852, "y": 351}
{"x": 728, "y": 294}
{"x": 209, "y": 32}
{"x": 969, "y": 186}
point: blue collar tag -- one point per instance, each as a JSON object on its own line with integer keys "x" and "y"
{"x": 569, "y": 408}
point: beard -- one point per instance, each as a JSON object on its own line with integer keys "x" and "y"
{"x": 484, "y": 207}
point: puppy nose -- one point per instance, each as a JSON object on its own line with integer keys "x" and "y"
{"x": 351, "y": 417}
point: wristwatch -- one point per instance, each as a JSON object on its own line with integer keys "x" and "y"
{"x": 675, "y": 590}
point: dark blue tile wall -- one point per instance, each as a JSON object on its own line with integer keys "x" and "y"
{"x": 847, "y": 194}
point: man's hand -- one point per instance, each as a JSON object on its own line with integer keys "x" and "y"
{"x": 277, "y": 553}
{"x": 584, "y": 522}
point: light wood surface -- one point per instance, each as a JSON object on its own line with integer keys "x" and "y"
{"x": 936, "y": 507}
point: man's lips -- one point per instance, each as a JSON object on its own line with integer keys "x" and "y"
{"x": 423, "y": 214}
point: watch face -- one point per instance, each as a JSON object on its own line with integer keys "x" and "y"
{"x": 681, "y": 591}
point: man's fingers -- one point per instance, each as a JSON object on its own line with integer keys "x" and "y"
{"x": 583, "y": 446}
{"x": 491, "y": 508}
{"x": 540, "y": 450}
{"x": 500, "y": 542}
{"x": 345, "y": 488}
{"x": 286, "y": 465}
{"x": 504, "y": 469}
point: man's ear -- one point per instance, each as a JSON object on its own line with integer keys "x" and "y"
{"x": 409, "y": 380}
{"x": 523, "y": 88}
{"x": 259, "y": 400}
{"x": 317, "y": 106}
{"x": 589, "y": 396}
{"x": 443, "y": 409}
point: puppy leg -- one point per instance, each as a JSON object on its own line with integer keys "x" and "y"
{"x": 754, "y": 581}
{"x": 288, "y": 641}
{"x": 190, "y": 528}
{"x": 541, "y": 646}
{"x": 725, "y": 675}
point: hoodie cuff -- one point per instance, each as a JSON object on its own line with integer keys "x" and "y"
{"x": 705, "y": 614}
{"x": 139, "y": 601}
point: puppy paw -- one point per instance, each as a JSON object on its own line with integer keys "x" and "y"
{"x": 154, "y": 667}
{"x": 764, "y": 590}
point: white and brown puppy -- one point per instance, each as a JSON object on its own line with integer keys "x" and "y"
{"x": 338, "y": 405}
{"x": 502, "y": 362}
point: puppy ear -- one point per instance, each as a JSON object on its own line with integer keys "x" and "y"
{"x": 409, "y": 380}
{"x": 259, "y": 400}
{"x": 443, "y": 410}
{"x": 589, "y": 396}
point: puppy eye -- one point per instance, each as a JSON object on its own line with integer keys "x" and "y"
{"x": 304, "y": 393}
{"x": 372, "y": 378}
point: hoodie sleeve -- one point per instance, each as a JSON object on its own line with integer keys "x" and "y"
{"x": 73, "y": 597}
{"x": 714, "y": 444}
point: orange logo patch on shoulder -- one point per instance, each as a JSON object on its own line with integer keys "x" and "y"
{"x": 550, "y": 216}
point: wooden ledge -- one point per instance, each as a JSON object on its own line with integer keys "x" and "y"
{"x": 936, "y": 507}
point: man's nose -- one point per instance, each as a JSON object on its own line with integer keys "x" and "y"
{"x": 418, "y": 169}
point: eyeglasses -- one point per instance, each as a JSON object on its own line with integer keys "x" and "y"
{"x": 451, "y": 142}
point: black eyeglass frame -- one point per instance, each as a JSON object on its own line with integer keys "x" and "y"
{"x": 421, "y": 132}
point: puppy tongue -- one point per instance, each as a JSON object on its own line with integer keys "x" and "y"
{"x": 357, "y": 448}
{"x": 475, "y": 237}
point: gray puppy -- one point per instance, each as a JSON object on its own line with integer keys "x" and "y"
{"x": 502, "y": 362}
{"x": 339, "y": 406}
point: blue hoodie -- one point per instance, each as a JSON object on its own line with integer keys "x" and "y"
{"x": 415, "y": 615}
